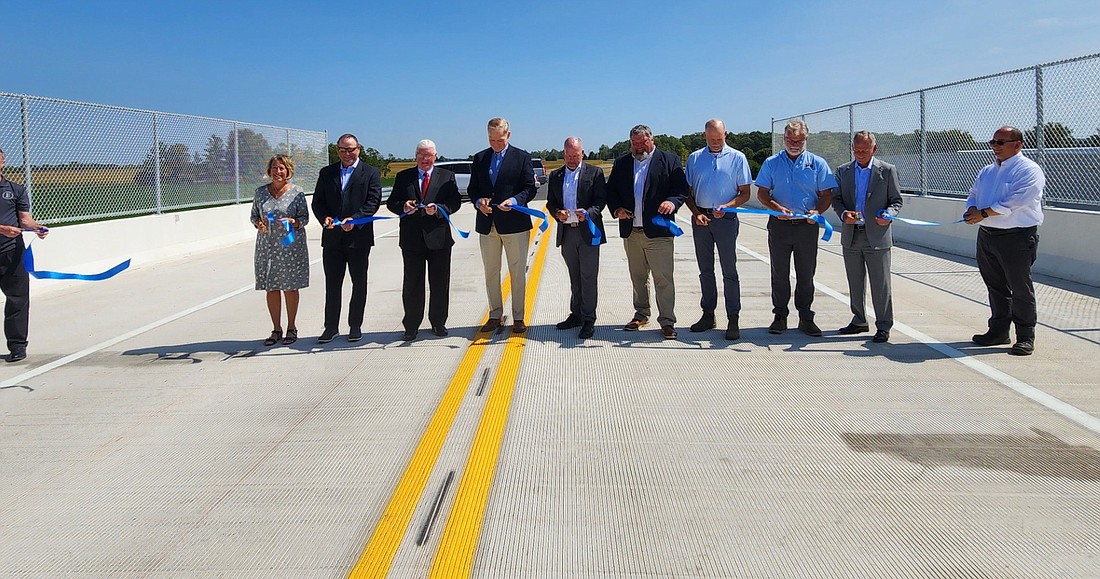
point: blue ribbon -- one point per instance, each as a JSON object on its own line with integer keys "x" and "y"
{"x": 362, "y": 220}
{"x": 884, "y": 215}
{"x": 532, "y": 213}
{"x": 817, "y": 218}
{"x": 595, "y": 231}
{"x": 28, "y": 263}
{"x": 662, "y": 221}
{"x": 289, "y": 237}
{"x": 440, "y": 209}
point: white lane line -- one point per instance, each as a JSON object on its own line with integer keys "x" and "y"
{"x": 1068, "y": 411}
{"x": 17, "y": 380}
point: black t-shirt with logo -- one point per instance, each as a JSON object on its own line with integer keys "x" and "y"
{"x": 13, "y": 199}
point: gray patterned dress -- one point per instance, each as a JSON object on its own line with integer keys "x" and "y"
{"x": 278, "y": 266}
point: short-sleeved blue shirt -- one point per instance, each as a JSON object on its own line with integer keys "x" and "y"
{"x": 714, "y": 178}
{"x": 795, "y": 184}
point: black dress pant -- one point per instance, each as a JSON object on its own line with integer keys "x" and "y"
{"x": 336, "y": 260}
{"x": 1004, "y": 260}
{"x": 797, "y": 237}
{"x": 438, "y": 263}
{"x": 16, "y": 285}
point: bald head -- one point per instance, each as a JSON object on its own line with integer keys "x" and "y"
{"x": 714, "y": 132}
{"x": 573, "y": 152}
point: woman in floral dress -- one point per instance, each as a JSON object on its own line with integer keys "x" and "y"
{"x": 280, "y": 214}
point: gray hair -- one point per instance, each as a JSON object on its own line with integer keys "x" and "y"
{"x": 716, "y": 124}
{"x": 425, "y": 144}
{"x": 797, "y": 126}
{"x": 575, "y": 140}
{"x": 866, "y": 135}
{"x": 641, "y": 130}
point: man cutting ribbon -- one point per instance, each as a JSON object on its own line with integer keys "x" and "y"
{"x": 794, "y": 181}
{"x": 15, "y": 216}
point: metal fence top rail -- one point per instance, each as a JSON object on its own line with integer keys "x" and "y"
{"x": 939, "y": 86}
{"x": 133, "y": 110}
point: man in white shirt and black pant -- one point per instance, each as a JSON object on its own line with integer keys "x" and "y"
{"x": 1006, "y": 201}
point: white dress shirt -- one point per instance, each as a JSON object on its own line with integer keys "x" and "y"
{"x": 1014, "y": 189}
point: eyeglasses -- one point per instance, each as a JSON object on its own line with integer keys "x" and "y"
{"x": 1000, "y": 142}
{"x": 348, "y": 149}
{"x": 794, "y": 141}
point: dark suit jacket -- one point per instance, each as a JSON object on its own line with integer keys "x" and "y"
{"x": 516, "y": 179}
{"x": 420, "y": 231}
{"x": 665, "y": 181}
{"x": 362, "y": 198}
{"x": 883, "y": 192}
{"x": 591, "y": 195}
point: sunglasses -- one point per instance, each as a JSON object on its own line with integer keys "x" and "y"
{"x": 1000, "y": 142}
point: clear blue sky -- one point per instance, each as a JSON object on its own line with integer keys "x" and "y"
{"x": 396, "y": 72}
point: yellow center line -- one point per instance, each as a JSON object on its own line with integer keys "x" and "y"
{"x": 458, "y": 544}
{"x": 377, "y": 557}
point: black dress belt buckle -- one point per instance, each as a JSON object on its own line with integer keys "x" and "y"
{"x": 860, "y": 227}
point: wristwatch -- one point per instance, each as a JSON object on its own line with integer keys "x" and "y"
{"x": 984, "y": 214}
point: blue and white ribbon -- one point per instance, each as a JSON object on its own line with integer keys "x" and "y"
{"x": 884, "y": 215}
{"x": 816, "y": 218}
{"x": 532, "y": 213}
{"x": 443, "y": 212}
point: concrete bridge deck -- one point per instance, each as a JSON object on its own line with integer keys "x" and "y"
{"x": 150, "y": 434}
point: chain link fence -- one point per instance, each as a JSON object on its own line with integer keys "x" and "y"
{"x": 937, "y": 136}
{"x": 84, "y": 161}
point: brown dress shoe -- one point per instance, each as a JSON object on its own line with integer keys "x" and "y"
{"x": 518, "y": 327}
{"x": 668, "y": 332}
{"x": 633, "y": 325}
{"x": 491, "y": 325}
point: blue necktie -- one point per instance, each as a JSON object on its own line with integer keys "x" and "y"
{"x": 494, "y": 168}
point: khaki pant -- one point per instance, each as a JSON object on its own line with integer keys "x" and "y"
{"x": 645, "y": 256}
{"x": 514, "y": 246}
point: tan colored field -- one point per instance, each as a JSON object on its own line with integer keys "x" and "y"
{"x": 83, "y": 175}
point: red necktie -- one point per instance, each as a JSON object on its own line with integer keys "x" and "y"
{"x": 424, "y": 186}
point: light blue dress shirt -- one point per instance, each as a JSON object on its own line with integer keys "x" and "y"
{"x": 795, "y": 184}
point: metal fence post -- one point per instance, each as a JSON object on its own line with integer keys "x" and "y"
{"x": 27, "y": 151}
{"x": 1040, "y": 129}
{"x": 851, "y": 127}
{"x": 923, "y": 148}
{"x": 236, "y": 163}
{"x": 156, "y": 153}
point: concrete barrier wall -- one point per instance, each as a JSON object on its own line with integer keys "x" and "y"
{"x": 94, "y": 247}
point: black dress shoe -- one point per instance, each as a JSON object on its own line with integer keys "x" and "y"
{"x": 991, "y": 339}
{"x": 569, "y": 323}
{"x": 881, "y": 336}
{"x": 440, "y": 331}
{"x": 778, "y": 326}
{"x": 409, "y": 335}
{"x": 853, "y": 329}
{"x": 16, "y": 355}
{"x": 706, "y": 322}
{"x": 1023, "y": 347}
{"x": 491, "y": 325}
{"x": 326, "y": 336}
{"x": 809, "y": 328}
{"x": 587, "y": 329}
{"x": 732, "y": 331}
{"x": 518, "y": 327}
{"x": 668, "y": 332}
{"x": 355, "y": 335}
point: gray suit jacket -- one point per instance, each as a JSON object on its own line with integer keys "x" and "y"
{"x": 883, "y": 192}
